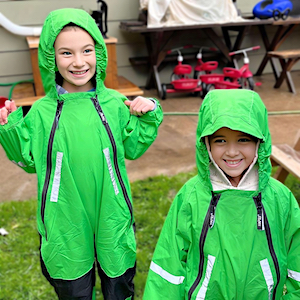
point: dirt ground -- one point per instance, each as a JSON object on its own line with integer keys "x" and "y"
{"x": 174, "y": 149}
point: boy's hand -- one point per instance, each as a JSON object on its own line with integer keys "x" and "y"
{"x": 140, "y": 105}
{"x": 9, "y": 107}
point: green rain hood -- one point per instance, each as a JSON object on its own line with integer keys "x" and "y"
{"x": 77, "y": 144}
{"x": 231, "y": 243}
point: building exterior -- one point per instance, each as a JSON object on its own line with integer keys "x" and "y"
{"x": 15, "y": 63}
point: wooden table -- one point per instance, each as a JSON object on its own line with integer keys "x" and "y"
{"x": 283, "y": 31}
{"x": 287, "y": 59}
{"x": 113, "y": 80}
{"x": 160, "y": 39}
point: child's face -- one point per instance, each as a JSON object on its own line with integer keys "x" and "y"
{"x": 233, "y": 151}
{"x": 75, "y": 59}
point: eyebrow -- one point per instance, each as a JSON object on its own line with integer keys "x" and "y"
{"x": 85, "y": 46}
{"x": 223, "y": 136}
{"x": 217, "y": 136}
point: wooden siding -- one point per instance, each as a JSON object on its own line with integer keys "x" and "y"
{"x": 15, "y": 64}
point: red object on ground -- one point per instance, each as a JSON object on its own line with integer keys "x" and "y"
{"x": 2, "y": 101}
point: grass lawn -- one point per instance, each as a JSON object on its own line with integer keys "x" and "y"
{"x": 20, "y": 274}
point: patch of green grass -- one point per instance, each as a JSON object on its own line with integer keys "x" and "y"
{"x": 20, "y": 274}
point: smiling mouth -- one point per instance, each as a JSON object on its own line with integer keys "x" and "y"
{"x": 78, "y": 72}
{"x": 232, "y": 162}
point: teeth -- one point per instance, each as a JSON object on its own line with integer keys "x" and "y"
{"x": 78, "y": 73}
{"x": 232, "y": 162}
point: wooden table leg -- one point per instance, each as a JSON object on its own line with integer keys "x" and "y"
{"x": 286, "y": 75}
{"x": 152, "y": 41}
{"x": 281, "y": 34}
{"x": 158, "y": 43}
{"x": 218, "y": 42}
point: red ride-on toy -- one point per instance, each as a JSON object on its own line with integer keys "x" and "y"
{"x": 235, "y": 77}
{"x": 204, "y": 67}
{"x": 242, "y": 75}
{"x": 180, "y": 81}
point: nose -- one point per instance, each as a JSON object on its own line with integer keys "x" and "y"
{"x": 232, "y": 150}
{"x": 78, "y": 61}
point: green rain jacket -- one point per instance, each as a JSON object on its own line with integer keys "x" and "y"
{"x": 230, "y": 243}
{"x": 77, "y": 144}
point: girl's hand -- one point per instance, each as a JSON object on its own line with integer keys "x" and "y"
{"x": 9, "y": 107}
{"x": 140, "y": 105}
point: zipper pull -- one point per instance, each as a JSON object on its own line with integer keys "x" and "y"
{"x": 212, "y": 210}
{"x": 99, "y": 110}
{"x": 58, "y": 112}
{"x": 212, "y": 216}
{"x": 103, "y": 118}
{"x": 260, "y": 213}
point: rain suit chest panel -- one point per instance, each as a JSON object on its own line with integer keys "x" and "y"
{"x": 76, "y": 160}
{"x": 234, "y": 252}
{"x": 89, "y": 183}
{"x": 237, "y": 247}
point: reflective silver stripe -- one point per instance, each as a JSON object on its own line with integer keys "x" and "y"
{"x": 20, "y": 164}
{"x": 268, "y": 275}
{"x": 56, "y": 179}
{"x": 110, "y": 169}
{"x": 165, "y": 275}
{"x": 294, "y": 275}
{"x": 210, "y": 264}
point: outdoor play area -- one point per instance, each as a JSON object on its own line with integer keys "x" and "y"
{"x": 178, "y": 75}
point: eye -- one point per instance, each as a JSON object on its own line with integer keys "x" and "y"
{"x": 66, "y": 53}
{"x": 87, "y": 51}
{"x": 219, "y": 141}
{"x": 245, "y": 140}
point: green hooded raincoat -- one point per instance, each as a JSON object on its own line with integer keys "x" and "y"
{"x": 77, "y": 144}
{"x": 230, "y": 243}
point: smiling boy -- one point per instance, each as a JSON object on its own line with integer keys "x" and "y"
{"x": 75, "y": 58}
{"x": 233, "y": 231}
{"x": 76, "y": 139}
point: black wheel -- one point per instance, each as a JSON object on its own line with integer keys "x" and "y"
{"x": 176, "y": 77}
{"x": 249, "y": 83}
{"x": 285, "y": 14}
{"x": 164, "y": 91}
{"x": 207, "y": 88}
{"x": 203, "y": 90}
{"x": 276, "y": 14}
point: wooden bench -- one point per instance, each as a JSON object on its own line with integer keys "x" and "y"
{"x": 287, "y": 159}
{"x": 287, "y": 59}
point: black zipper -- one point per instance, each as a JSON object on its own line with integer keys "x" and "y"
{"x": 261, "y": 209}
{"x": 49, "y": 161}
{"x": 208, "y": 223}
{"x": 113, "y": 143}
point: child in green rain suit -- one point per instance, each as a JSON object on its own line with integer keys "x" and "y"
{"x": 233, "y": 231}
{"x": 76, "y": 139}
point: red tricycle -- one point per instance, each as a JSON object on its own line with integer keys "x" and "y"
{"x": 180, "y": 80}
{"x": 202, "y": 67}
{"x": 231, "y": 78}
